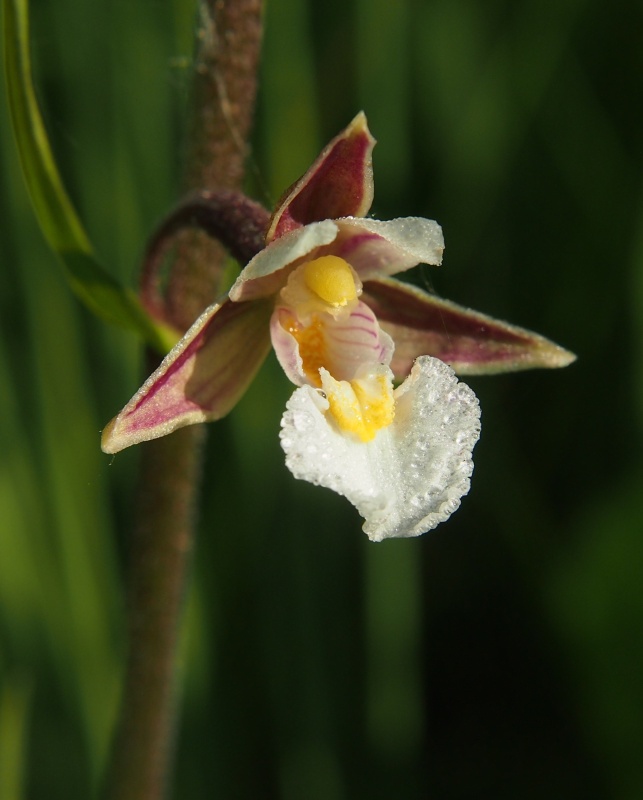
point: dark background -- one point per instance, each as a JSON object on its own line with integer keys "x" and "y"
{"x": 499, "y": 656}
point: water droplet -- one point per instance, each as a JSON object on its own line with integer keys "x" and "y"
{"x": 302, "y": 421}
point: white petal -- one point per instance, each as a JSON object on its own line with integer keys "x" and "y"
{"x": 260, "y": 276}
{"x": 377, "y": 248}
{"x": 411, "y": 476}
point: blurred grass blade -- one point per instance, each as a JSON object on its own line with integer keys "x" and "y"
{"x": 101, "y": 293}
{"x": 15, "y": 697}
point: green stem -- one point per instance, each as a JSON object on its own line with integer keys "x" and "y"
{"x": 228, "y": 45}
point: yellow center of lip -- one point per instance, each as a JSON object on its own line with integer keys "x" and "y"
{"x": 331, "y": 279}
{"x": 362, "y": 406}
{"x": 318, "y": 301}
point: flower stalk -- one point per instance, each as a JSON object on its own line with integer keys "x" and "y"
{"x": 225, "y": 215}
{"x": 223, "y": 98}
{"x": 159, "y": 557}
{"x": 224, "y": 90}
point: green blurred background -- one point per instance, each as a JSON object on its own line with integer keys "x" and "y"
{"x": 500, "y": 656}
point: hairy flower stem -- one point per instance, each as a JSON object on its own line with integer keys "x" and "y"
{"x": 226, "y": 216}
{"x": 223, "y": 94}
{"x": 228, "y": 44}
{"x": 159, "y": 557}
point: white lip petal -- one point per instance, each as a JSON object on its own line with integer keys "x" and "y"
{"x": 411, "y": 476}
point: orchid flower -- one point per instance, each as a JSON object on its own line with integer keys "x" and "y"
{"x": 344, "y": 331}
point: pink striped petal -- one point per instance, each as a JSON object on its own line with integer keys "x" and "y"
{"x": 471, "y": 342}
{"x": 338, "y": 184}
{"x": 201, "y": 379}
{"x": 343, "y": 345}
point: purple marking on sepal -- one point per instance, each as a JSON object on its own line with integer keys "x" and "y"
{"x": 348, "y": 245}
{"x": 471, "y": 342}
{"x": 201, "y": 379}
{"x": 338, "y": 184}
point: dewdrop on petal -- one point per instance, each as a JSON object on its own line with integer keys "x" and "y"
{"x": 413, "y": 473}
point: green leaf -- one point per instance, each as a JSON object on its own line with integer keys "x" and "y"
{"x": 64, "y": 232}
{"x": 15, "y": 702}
